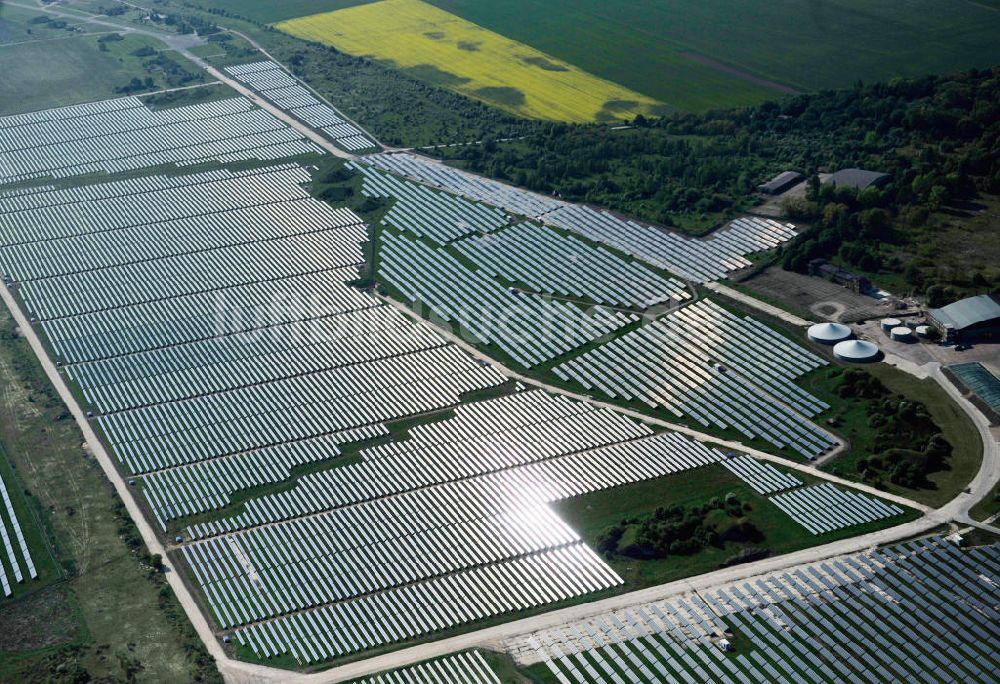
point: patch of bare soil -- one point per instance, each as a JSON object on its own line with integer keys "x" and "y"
{"x": 38, "y": 621}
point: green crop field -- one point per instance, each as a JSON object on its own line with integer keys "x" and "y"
{"x": 271, "y": 11}
{"x": 692, "y": 53}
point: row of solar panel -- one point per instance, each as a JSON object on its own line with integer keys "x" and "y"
{"x": 134, "y": 137}
{"x": 12, "y": 538}
{"x": 529, "y": 328}
{"x": 697, "y": 260}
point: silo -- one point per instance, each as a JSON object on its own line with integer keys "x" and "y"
{"x": 889, "y": 323}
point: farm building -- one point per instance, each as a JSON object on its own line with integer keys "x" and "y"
{"x": 973, "y": 319}
{"x": 783, "y": 181}
{"x": 835, "y": 274}
{"x": 859, "y": 179}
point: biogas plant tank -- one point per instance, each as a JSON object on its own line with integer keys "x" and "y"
{"x": 889, "y": 323}
{"x": 828, "y": 333}
{"x": 901, "y": 334}
{"x": 855, "y": 351}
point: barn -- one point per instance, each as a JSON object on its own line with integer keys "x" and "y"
{"x": 780, "y": 183}
{"x": 858, "y": 179}
{"x": 973, "y": 319}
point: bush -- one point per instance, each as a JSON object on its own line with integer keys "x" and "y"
{"x": 607, "y": 543}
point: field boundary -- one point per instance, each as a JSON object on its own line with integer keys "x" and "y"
{"x": 739, "y": 73}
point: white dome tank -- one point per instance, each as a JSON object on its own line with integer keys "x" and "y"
{"x": 889, "y": 323}
{"x": 828, "y": 333}
{"x": 855, "y": 351}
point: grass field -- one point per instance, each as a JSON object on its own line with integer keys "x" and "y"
{"x": 692, "y": 54}
{"x": 957, "y": 428}
{"x": 43, "y": 66}
{"x": 31, "y": 519}
{"x": 451, "y": 52}
{"x": 988, "y": 507}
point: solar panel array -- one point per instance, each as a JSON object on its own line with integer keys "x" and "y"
{"x": 698, "y": 260}
{"x": 124, "y": 135}
{"x": 462, "y": 668}
{"x": 707, "y": 363}
{"x": 549, "y": 262}
{"x": 209, "y": 320}
{"x": 529, "y": 328}
{"x": 763, "y": 477}
{"x": 448, "y": 526}
{"x": 423, "y": 212}
{"x": 825, "y": 508}
{"x": 285, "y": 92}
{"x": 481, "y": 189}
{"x": 517, "y": 440}
{"x": 920, "y": 611}
{"x": 12, "y": 538}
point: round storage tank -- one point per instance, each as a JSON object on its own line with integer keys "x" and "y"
{"x": 828, "y": 333}
{"x": 923, "y": 330}
{"x": 889, "y": 323}
{"x": 855, "y": 351}
{"x": 901, "y": 334}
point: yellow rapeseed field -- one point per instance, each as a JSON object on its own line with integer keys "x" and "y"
{"x": 471, "y": 60}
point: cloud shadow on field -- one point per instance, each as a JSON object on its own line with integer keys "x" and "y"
{"x": 503, "y": 96}
{"x": 469, "y": 46}
{"x": 435, "y": 35}
{"x": 432, "y": 74}
{"x": 543, "y": 63}
{"x": 616, "y": 110}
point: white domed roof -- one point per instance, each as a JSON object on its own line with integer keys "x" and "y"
{"x": 855, "y": 350}
{"x": 829, "y": 333}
